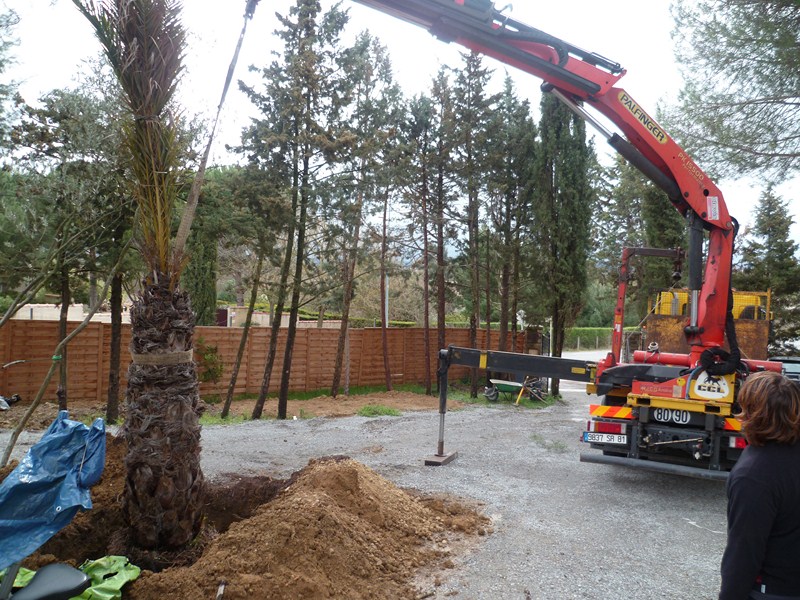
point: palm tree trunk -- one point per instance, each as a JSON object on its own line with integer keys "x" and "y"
{"x": 163, "y": 496}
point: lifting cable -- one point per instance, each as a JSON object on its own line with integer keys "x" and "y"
{"x": 194, "y": 193}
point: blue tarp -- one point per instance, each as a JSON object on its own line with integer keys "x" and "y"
{"x": 49, "y": 486}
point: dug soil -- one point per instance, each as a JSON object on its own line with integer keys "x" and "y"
{"x": 335, "y": 529}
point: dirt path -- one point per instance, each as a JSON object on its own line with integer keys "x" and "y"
{"x": 321, "y": 406}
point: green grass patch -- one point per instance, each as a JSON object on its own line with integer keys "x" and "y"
{"x": 378, "y": 410}
{"x": 304, "y": 414}
{"x": 208, "y": 419}
{"x": 89, "y": 419}
{"x": 548, "y": 400}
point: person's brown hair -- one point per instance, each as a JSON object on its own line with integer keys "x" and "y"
{"x": 770, "y": 409}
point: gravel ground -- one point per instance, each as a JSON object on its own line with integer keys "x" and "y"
{"x": 562, "y": 529}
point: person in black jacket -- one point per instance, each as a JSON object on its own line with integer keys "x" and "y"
{"x": 762, "y": 557}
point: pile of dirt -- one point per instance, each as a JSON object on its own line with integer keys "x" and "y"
{"x": 334, "y": 529}
{"x": 338, "y": 530}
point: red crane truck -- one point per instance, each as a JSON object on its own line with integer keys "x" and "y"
{"x": 663, "y": 411}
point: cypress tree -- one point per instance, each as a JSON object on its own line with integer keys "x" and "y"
{"x": 563, "y": 209}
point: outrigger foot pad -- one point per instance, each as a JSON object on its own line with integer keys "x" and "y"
{"x": 437, "y": 460}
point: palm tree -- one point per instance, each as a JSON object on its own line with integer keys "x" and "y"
{"x": 144, "y": 40}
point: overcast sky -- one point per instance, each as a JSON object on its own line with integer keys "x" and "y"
{"x": 55, "y": 39}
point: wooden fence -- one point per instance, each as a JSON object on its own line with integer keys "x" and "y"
{"x": 32, "y": 342}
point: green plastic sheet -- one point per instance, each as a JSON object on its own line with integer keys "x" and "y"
{"x": 108, "y": 574}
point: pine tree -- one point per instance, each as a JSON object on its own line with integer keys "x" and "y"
{"x": 419, "y": 138}
{"x": 739, "y": 109}
{"x": 769, "y": 260}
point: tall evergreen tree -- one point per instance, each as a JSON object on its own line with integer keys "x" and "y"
{"x": 564, "y": 201}
{"x": 443, "y": 192}
{"x": 300, "y": 105}
{"x": 512, "y": 149}
{"x": 373, "y": 100}
{"x": 664, "y": 228}
{"x": 632, "y": 212}
{"x": 769, "y": 260}
{"x": 420, "y": 140}
{"x": 472, "y": 108}
{"x": 218, "y": 216}
{"x": 619, "y": 220}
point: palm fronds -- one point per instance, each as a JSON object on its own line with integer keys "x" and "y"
{"x": 144, "y": 41}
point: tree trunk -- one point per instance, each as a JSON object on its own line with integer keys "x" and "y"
{"x": 515, "y": 288}
{"x": 441, "y": 297}
{"x": 347, "y": 363}
{"x": 488, "y": 296}
{"x": 349, "y": 275}
{"x": 385, "y": 297}
{"x": 321, "y": 317}
{"x": 505, "y": 278}
{"x": 558, "y": 345}
{"x": 61, "y": 392}
{"x": 245, "y": 332}
{"x": 92, "y": 277}
{"x": 277, "y": 315}
{"x": 163, "y": 498}
{"x": 475, "y": 282}
{"x": 275, "y": 326}
{"x": 112, "y": 405}
{"x": 426, "y": 294}
{"x": 283, "y": 393}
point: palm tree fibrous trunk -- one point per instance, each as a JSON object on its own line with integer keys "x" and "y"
{"x": 164, "y": 486}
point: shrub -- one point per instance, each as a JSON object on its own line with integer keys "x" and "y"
{"x": 209, "y": 363}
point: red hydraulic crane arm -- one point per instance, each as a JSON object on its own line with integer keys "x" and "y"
{"x": 581, "y": 79}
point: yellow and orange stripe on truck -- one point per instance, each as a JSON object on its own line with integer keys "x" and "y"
{"x": 610, "y": 412}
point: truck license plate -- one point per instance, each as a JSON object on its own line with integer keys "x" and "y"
{"x": 604, "y": 438}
